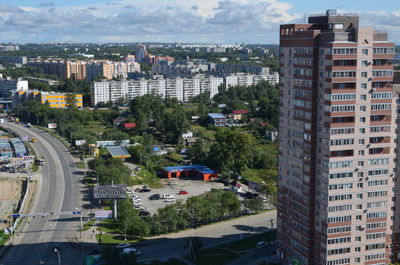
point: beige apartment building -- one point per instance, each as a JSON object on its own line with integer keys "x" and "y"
{"x": 337, "y": 144}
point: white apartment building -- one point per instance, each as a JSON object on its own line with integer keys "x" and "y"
{"x": 242, "y": 79}
{"x": 179, "y": 88}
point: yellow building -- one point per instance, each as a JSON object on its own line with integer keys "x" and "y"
{"x": 55, "y": 100}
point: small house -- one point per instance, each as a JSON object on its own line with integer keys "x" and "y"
{"x": 217, "y": 119}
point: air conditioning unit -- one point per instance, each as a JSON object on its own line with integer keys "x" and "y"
{"x": 356, "y": 169}
{"x": 373, "y": 89}
{"x": 368, "y": 145}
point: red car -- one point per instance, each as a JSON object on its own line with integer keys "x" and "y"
{"x": 183, "y": 192}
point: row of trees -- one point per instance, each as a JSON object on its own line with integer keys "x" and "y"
{"x": 197, "y": 210}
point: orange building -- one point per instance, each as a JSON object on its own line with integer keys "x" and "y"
{"x": 190, "y": 171}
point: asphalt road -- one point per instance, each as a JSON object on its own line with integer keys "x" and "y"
{"x": 211, "y": 235}
{"x": 59, "y": 189}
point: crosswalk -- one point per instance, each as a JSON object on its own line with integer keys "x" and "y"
{"x": 29, "y": 237}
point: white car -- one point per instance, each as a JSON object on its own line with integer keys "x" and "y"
{"x": 138, "y": 207}
{"x": 136, "y": 203}
{"x": 123, "y": 245}
{"x": 135, "y": 251}
{"x": 169, "y": 200}
{"x": 168, "y": 196}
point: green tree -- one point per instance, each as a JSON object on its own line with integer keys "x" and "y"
{"x": 231, "y": 151}
{"x": 255, "y": 204}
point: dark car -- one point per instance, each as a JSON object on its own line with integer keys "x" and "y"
{"x": 144, "y": 213}
{"x": 155, "y": 197}
{"x": 145, "y": 190}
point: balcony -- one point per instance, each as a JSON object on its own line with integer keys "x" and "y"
{"x": 379, "y": 151}
{"x": 379, "y": 140}
{"x": 342, "y": 153}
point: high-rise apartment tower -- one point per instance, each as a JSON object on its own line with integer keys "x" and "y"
{"x": 337, "y": 143}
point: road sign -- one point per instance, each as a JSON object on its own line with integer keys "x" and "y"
{"x": 80, "y": 142}
{"x": 110, "y": 192}
{"x": 103, "y": 214}
{"x": 52, "y": 125}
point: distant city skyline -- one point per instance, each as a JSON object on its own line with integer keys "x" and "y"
{"x": 190, "y": 21}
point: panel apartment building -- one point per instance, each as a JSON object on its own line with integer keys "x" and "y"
{"x": 180, "y": 88}
{"x": 336, "y": 144}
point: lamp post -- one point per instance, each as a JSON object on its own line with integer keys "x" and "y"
{"x": 56, "y": 250}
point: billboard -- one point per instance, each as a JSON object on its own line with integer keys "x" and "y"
{"x": 110, "y": 192}
{"x": 80, "y": 142}
{"x": 52, "y": 125}
{"x": 103, "y": 214}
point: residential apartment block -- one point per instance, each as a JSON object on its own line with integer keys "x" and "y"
{"x": 180, "y": 88}
{"x": 337, "y": 136}
{"x": 80, "y": 70}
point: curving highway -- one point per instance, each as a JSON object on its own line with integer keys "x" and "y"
{"x": 59, "y": 189}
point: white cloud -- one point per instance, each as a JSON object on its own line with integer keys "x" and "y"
{"x": 247, "y": 21}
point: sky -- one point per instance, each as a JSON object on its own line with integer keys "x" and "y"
{"x": 186, "y": 21}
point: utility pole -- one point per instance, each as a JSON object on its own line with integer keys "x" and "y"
{"x": 81, "y": 221}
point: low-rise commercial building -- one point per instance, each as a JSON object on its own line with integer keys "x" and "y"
{"x": 55, "y": 100}
{"x": 8, "y": 86}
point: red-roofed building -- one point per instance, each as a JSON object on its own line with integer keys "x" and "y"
{"x": 129, "y": 125}
{"x": 237, "y": 115}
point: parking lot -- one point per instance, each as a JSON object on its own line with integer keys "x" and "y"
{"x": 192, "y": 187}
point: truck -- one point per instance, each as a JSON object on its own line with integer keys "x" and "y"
{"x": 40, "y": 162}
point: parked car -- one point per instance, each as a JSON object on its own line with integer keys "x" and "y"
{"x": 262, "y": 244}
{"x": 144, "y": 213}
{"x": 168, "y": 196}
{"x": 169, "y": 199}
{"x": 173, "y": 183}
{"x": 123, "y": 245}
{"x": 138, "y": 207}
{"x": 145, "y": 190}
{"x": 183, "y": 192}
{"x": 137, "y": 203}
{"x": 155, "y": 197}
{"x": 135, "y": 251}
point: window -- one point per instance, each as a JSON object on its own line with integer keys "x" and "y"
{"x": 341, "y": 175}
{"x": 357, "y": 238}
{"x": 361, "y": 141}
{"x": 343, "y": 108}
{"x": 364, "y": 74}
{"x": 363, "y": 108}
{"x": 363, "y": 97}
{"x": 364, "y": 51}
{"x": 339, "y": 240}
{"x": 362, "y": 119}
{"x": 361, "y": 153}
{"x": 360, "y": 163}
{"x": 344, "y": 74}
{"x": 362, "y": 130}
{"x": 363, "y": 86}
{"x": 378, "y": 161}
{"x": 341, "y": 164}
{"x": 377, "y": 225}
{"x": 359, "y": 196}
{"x": 357, "y": 249}
{"x": 364, "y": 63}
{"x": 358, "y": 217}
{"x": 373, "y": 215}
{"x": 345, "y": 51}
{"x": 359, "y": 207}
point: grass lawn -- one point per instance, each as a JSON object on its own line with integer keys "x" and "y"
{"x": 251, "y": 241}
{"x": 109, "y": 226}
{"x": 80, "y": 165}
{"x": 168, "y": 262}
{"x": 88, "y": 224}
{"x": 114, "y": 239}
{"x": 207, "y": 133}
{"x": 146, "y": 177}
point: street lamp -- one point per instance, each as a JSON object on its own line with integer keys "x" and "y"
{"x": 56, "y": 250}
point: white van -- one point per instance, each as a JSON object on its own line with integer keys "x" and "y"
{"x": 168, "y": 196}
